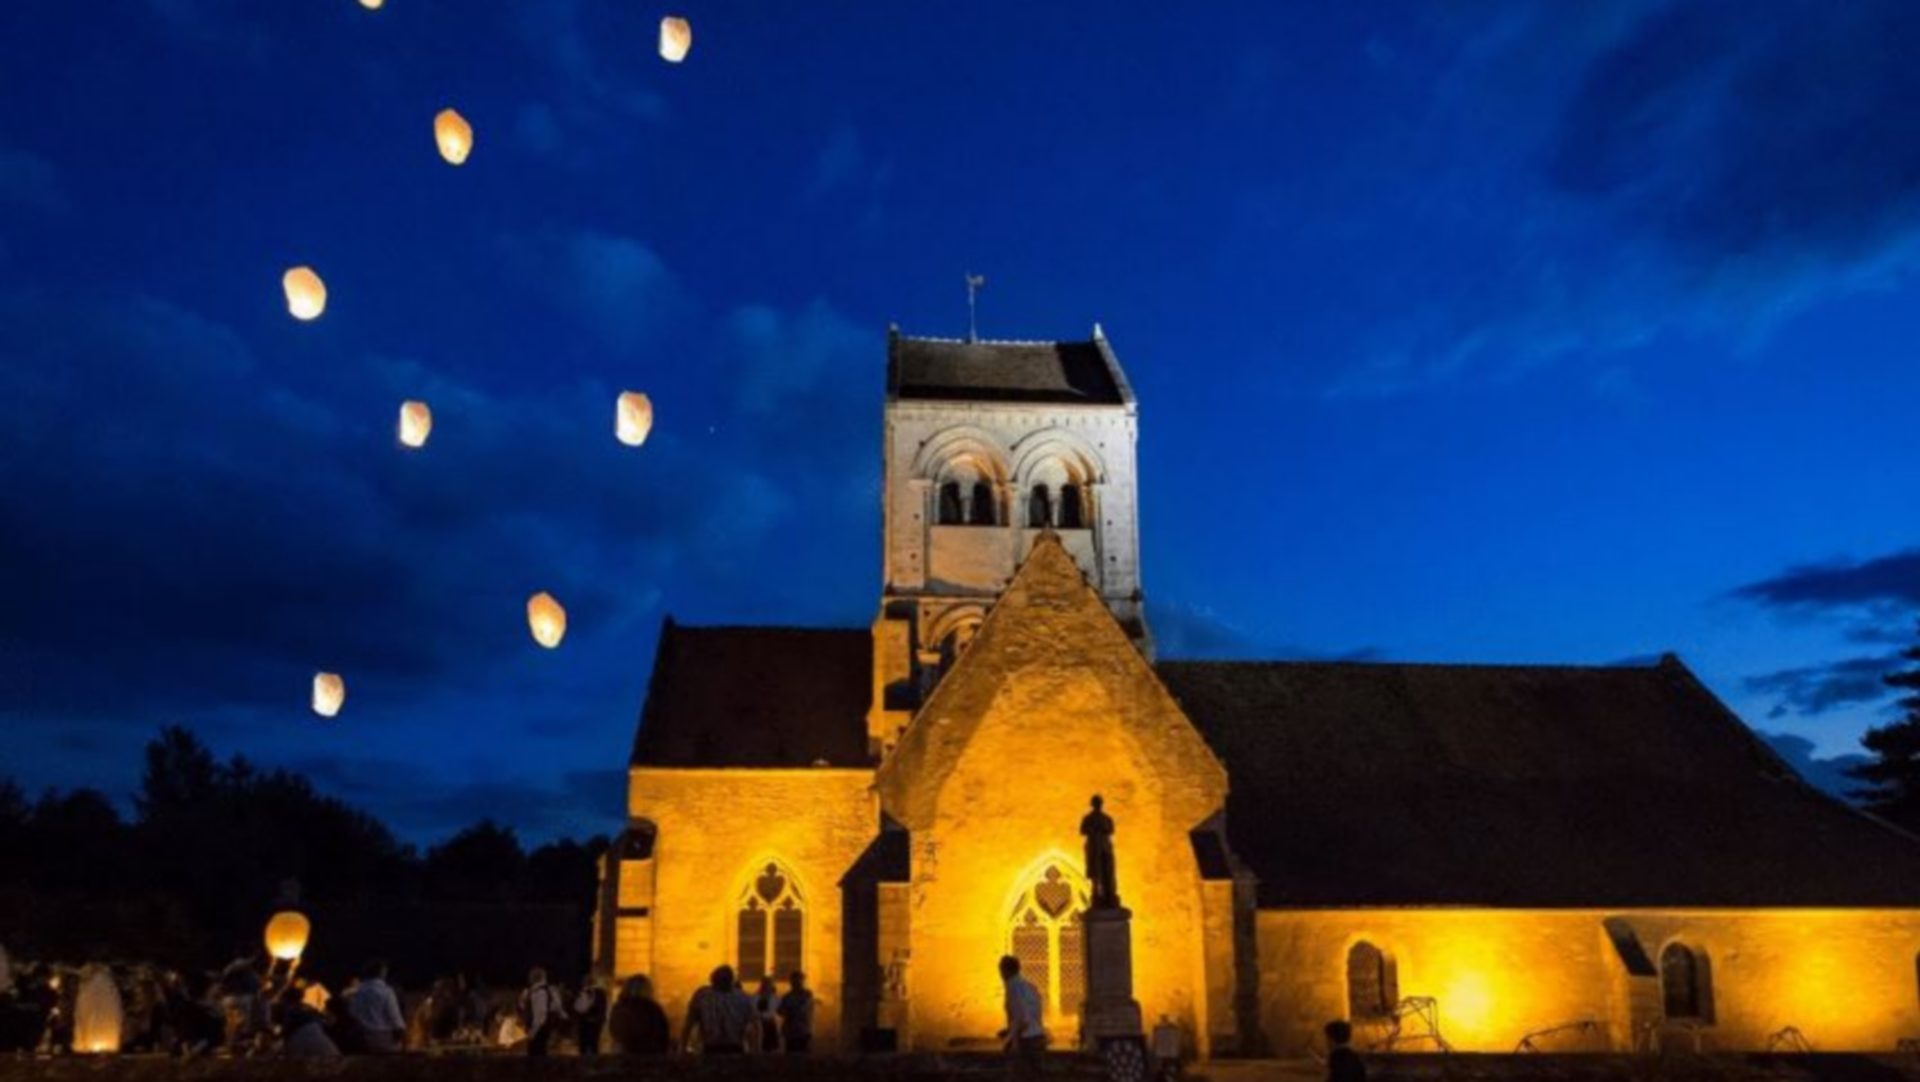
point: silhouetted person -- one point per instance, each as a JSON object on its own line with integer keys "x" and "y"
{"x": 766, "y": 1004}
{"x": 240, "y": 990}
{"x": 542, "y": 1011}
{"x": 637, "y": 1023}
{"x": 375, "y": 1010}
{"x": 723, "y": 1015}
{"x": 1026, "y": 1037}
{"x": 302, "y": 1032}
{"x": 796, "y": 1015}
{"x": 1343, "y": 1063}
{"x": 590, "y": 1014}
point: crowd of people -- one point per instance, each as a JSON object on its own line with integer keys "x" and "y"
{"x": 249, "y": 1009}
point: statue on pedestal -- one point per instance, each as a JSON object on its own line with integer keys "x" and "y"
{"x": 1097, "y": 828}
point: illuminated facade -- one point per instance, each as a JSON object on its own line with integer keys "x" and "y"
{"x": 1571, "y": 858}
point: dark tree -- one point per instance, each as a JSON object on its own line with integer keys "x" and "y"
{"x": 484, "y": 861}
{"x": 1892, "y": 777}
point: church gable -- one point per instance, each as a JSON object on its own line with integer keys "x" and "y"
{"x": 1051, "y": 670}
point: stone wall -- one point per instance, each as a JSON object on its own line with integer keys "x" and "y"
{"x": 716, "y": 830}
{"x": 1845, "y": 980}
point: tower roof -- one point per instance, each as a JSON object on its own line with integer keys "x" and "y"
{"x": 952, "y": 370}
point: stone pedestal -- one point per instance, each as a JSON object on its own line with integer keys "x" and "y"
{"x": 1110, "y": 1010}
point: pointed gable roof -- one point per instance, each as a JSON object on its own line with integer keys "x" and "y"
{"x": 1048, "y": 626}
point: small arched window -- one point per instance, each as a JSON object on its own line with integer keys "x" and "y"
{"x": 1072, "y": 513}
{"x": 1686, "y": 989}
{"x": 949, "y": 512}
{"x": 771, "y": 926}
{"x": 982, "y": 513}
{"x": 1039, "y": 507}
{"x": 1373, "y": 982}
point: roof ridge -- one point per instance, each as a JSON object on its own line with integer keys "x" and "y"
{"x": 992, "y": 341}
{"x": 1359, "y": 663}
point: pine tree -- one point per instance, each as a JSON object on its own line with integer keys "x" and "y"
{"x": 1892, "y": 776}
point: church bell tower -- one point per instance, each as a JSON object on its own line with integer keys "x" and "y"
{"x": 987, "y": 445}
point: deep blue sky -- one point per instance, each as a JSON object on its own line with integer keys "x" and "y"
{"x": 1504, "y": 332}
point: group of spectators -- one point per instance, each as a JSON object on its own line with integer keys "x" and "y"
{"x": 245, "y": 1009}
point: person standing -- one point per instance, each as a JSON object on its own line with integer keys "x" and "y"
{"x": 637, "y": 1023}
{"x": 1025, "y": 1034}
{"x": 375, "y": 1010}
{"x": 766, "y": 1004}
{"x": 1343, "y": 1063}
{"x": 796, "y": 1015}
{"x": 724, "y": 1016}
{"x": 590, "y": 1014}
{"x": 542, "y": 1010}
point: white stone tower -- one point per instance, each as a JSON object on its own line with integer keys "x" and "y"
{"x": 988, "y": 444}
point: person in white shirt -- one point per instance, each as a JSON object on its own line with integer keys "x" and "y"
{"x": 542, "y": 1007}
{"x": 1025, "y": 1035}
{"x": 376, "y": 1010}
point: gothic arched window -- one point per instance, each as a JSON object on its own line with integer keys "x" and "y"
{"x": 983, "y": 511}
{"x": 1685, "y": 988}
{"x": 770, "y": 926}
{"x": 1039, "y": 507}
{"x": 1072, "y": 512}
{"x": 949, "y": 512}
{"x": 1373, "y": 982}
{"x": 1047, "y": 938}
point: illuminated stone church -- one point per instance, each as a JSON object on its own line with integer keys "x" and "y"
{"x": 1471, "y": 856}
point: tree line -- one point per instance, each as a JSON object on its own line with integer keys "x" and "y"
{"x": 191, "y": 876}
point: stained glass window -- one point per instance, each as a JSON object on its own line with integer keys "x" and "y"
{"x": 1047, "y": 937}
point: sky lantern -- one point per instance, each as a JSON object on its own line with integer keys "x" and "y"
{"x": 97, "y": 1012}
{"x": 329, "y": 691}
{"x": 546, "y": 619}
{"x": 306, "y": 293}
{"x": 286, "y": 935}
{"x": 633, "y": 418}
{"x": 372, "y": 5}
{"x": 416, "y": 421}
{"x": 676, "y": 37}
{"x": 454, "y": 135}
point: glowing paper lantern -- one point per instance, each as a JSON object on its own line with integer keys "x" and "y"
{"x": 97, "y": 1013}
{"x": 546, "y": 619}
{"x": 416, "y": 421}
{"x": 454, "y": 135}
{"x": 372, "y": 5}
{"x": 287, "y": 935}
{"x": 329, "y": 691}
{"x": 633, "y": 418}
{"x": 676, "y": 37}
{"x": 306, "y": 293}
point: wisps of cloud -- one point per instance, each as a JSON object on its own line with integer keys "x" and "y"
{"x": 1701, "y": 169}
{"x": 1816, "y": 689}
{"x": 1826, "y": 774}
{"x": 1878, "y": 599}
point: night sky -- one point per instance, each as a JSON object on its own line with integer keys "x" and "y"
{"x": 1489, "y": 332}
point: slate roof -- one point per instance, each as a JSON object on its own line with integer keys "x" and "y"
{"x": 1388, "y": 784}
{"x": 1068, "y": 373}
{"x": 757, "y": 697}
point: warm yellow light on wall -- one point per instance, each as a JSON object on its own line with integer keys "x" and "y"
{"x": 416, "y": 422}
{"x": 633, "y": 418}
{"x": 453, "y": 135}
{"x": 97, "y": 1012}
{"x": 329, "y": 692}
{"x": 306, "y": 293}
{"x": 287, "y": 935}
{"x": 546, "y": 619}
{"x": 676, "y": 37}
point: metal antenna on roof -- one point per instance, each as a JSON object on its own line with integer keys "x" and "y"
{"x": 974, "y": 282}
